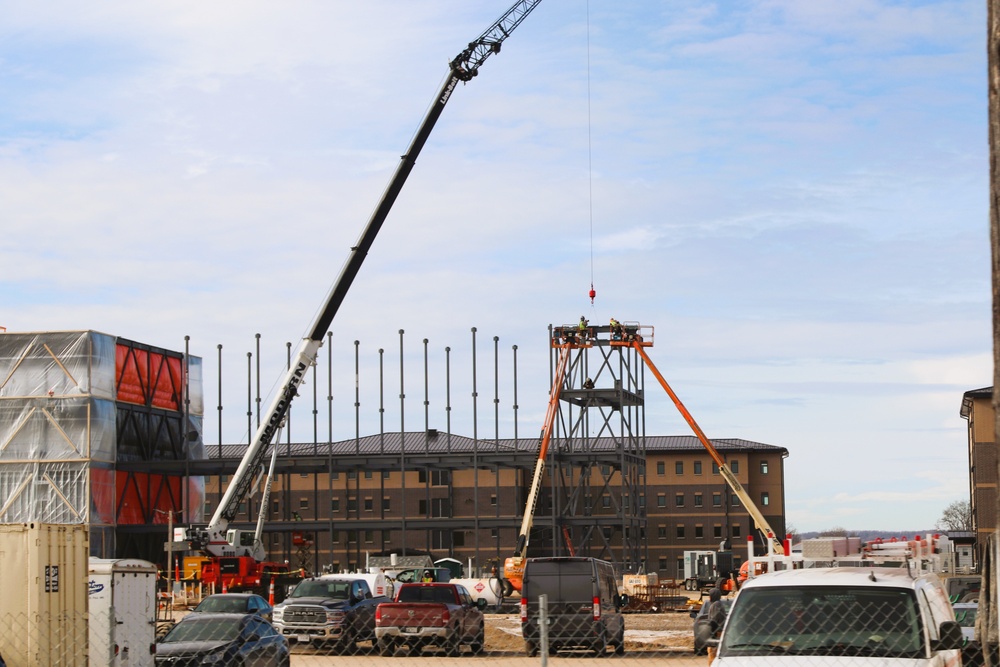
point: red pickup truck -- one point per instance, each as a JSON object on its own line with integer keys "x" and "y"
{"x": 431, "y": 614}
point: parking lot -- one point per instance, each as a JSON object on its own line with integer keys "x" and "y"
{"x": 659, "y": 638}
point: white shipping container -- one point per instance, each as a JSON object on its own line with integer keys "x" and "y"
{"x": 43, "y": 608}
{"x": 122, "y": 601}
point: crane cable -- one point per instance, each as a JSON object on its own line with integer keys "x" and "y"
{"x": 590, "y": 165}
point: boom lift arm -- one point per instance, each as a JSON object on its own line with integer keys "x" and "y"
{"x": 513, "y": 567}
{"x": 212, "y": 539}
{"x": 734, "y": 484}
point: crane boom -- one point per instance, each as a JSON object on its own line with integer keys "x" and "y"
{"x": 463, "y": 67}
{"x": 734, "y": 484}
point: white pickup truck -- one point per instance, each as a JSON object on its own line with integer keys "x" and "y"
{"x": 844, "y": 616}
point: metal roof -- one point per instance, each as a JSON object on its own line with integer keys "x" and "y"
{"x": 436, "y": 442}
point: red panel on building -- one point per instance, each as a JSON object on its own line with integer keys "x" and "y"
{"x": 139, "y": 495}
{"x": 149, "y": 377}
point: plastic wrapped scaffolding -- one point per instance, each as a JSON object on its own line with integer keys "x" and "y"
{"x": 74, "y": 403}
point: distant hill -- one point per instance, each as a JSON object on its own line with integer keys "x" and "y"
{"x": 868, "y": 535}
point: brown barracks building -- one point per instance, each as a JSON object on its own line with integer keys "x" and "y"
{"x": 442, "y": 506}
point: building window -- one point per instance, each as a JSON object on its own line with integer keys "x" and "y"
{"x": 679, "y": 500}
{"x": 717, "y": 531}
{"x": 458, "y": 539}
{"x": 276, "y": 507}
{"x": 352, "y": 504}
{"x": 763, "y": 467}
{"x": 736, "y": 531}
{"x": 699, "y": 532}
{"x": 661, "y": 500}
{"x": 303, "y": 474}
{"x": 334, "y": 505}
{"x": 303, "y": 503}
{"x": 697, "y": 500}
{"x": 697, "y": 467}
{"x": 716, "y": 500}
{"x": 385, "y": 474}
{"x": 715, "y": 468}
{"x": 736, "y": 500}
{"x": 368, "y": 474}
{"x": 680, "y": 567}
{"x": 352, "y": 536}
{"x": 493, "y": 501}
{"x": 243, "y": 508}
{"x": 605, "y": 470}
{"x": 642, "y": 501}
{"x": 385, "y": 504}
{"x": 765, "y": 498}
{"x": 661, "y": 468}
{"x": 661, "y": 532}
{"x": 386, "y": 535}
{"x": 335, "y": 475}
{"x": 352, "y": 474}
{"x": 663, "y": 564}
{"x": 606, "y": 501}
{"x": 608, "y": 532}
{"x": 679, "y": 467}
{"x": 422, "y": 507}
{"x": 369, "y": 536}
{"x": 680, "y": 532}
{"x": 494, "y": 533}
{"x": 734, "y": 467}
{"x": 369, "y": 504}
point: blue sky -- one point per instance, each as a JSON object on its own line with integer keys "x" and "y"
{"x": 794, "y": 194}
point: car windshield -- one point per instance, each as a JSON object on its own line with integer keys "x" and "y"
{"x": 334, "y": 590}
{"x": 201, "y": 629}
{"x": 824, "y": 621}
{"x": 223, "y": 604}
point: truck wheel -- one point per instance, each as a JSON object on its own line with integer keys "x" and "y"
{"x": 600, "y": 646}
{"x": 346, "y": 644}
{"x": 480, "y": 641}
{"x": 454, "y": 647}
{"x": 386, "y": 648}
{"x": 531, "y": 649}
{"x": 620, "y": 642}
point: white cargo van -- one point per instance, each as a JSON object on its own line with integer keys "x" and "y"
{"x": 844, "y": 616}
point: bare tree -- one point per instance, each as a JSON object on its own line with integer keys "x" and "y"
{"x": 956, "y": 516}
{"x": 836, "y": 531}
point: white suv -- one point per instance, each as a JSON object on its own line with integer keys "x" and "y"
{"x": 855, "y": 617}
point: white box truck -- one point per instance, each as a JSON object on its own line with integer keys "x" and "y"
{"x": 122, "y": 597}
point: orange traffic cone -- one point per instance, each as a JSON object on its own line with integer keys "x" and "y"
{"x": 224, "y": 589}
{"x": 270, "y": 594}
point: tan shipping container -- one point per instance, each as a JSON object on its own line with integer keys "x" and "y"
{"x": 43, "y": 605}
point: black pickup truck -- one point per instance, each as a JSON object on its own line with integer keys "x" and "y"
{"x": 334, "y": 609}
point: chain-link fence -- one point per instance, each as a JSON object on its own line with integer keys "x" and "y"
{"x": 842, "y": 628}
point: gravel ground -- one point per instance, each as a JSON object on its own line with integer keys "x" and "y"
{"x": 668, "y": 631}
